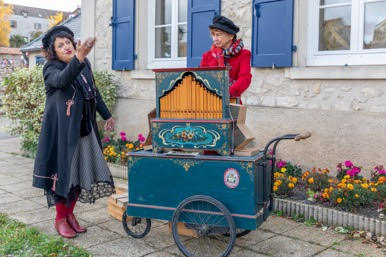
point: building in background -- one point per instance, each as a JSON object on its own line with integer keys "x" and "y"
{"x": 25, "y": 21}
{"x": 33, "y": 49}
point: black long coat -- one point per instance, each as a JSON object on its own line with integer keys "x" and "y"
{"x": 60, "y": 133}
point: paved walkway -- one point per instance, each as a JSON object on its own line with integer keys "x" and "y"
{"x": 106, "y": 237}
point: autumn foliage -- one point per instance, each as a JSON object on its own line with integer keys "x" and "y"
{"x": 5, "y": 26}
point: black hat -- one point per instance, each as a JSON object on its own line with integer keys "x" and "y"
{"x": 51, "y": 33}
{"x": 224, "y": 24}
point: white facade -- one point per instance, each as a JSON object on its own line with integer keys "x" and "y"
{"x": 343, "y": 106}
{"x": 26, "y": 25}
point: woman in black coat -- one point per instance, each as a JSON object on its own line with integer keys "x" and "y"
{"x": 69, "y": 165}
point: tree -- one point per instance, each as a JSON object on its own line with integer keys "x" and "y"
{"x": 5, "y": 26}
{"x": 35, "y": 34}
{"x": 55, "y": 19}
{"x": 17, "y": 41}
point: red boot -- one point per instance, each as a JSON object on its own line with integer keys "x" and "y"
{"x": 75, "y": 224}
{"x": 64, "y": 228}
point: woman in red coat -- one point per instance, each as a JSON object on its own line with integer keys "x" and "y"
{"x": 227, "y": 50}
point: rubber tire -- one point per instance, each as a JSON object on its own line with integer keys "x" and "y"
{"x": 132, "y": 233}
{"x": 220, "y": 206}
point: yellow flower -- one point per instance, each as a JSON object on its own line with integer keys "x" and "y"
{"x": 122, "y": 153}
{"x": 275, "y": 188}
{"x": 291, "y": 185}
{"x": 294, "y": 180}
{"x": 346, "y": 177}
{"x": 311, "y": 180}
{"x": 325, "y": 171}
{"x": 364, "y": 179}
{"x": 331, "y": 189}
{"x": 343, "y": 180}
{"x": 357, "y": 181}
{"x": 276, "y": 183}
{"x": 326, "y": 190}
{"x": 356, "y": 196}
{"x": 279, "y": 181}
{"x": 350, "y": 186}
{"x": 330, "y": 180}
{"x": 283, "y": 170}
{"x": 365, "y": 185}
{"x": 373, "y": 189}
{"x": 339, "y": 200}
{"x": 127, "y": 145}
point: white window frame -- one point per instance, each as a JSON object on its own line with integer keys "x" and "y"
{"x": 174, "y": 61}
{"x": 355, "y": 56}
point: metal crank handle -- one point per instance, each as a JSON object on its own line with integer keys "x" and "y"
{"x": 303, "y": 136}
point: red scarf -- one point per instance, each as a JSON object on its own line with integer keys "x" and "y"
{"x": 218, "y": 52}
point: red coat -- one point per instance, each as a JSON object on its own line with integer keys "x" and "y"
{"x": 240, "y": 74}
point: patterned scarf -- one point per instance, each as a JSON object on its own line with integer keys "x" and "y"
{"x": 222, "y": 54}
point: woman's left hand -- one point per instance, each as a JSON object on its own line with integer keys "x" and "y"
{"x": 109, "y": 125}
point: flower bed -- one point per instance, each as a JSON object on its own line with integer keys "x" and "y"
{"x": 348, "y": 199}
{"x": 115, "y": 150}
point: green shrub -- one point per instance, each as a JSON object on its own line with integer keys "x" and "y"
{"x": 24, "y": 98}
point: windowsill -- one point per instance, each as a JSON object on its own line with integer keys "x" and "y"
{"x": 142, "y": 75}
{"x": 336, "y": 72}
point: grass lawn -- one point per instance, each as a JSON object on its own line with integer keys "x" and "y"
{"x": 17, "y": 239}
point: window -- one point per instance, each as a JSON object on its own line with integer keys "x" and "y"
{"x": 38, "y": 26}
{"x": 347, "y": 32}
{"x": 167, "y": 33}
{"x": 13, "y": 24}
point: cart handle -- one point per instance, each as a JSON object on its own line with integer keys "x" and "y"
{"x": 304, "y": 136}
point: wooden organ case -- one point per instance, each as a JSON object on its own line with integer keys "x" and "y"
{"x": 193, "y": 110}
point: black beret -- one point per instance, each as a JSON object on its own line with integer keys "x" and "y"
{"x": 51, "y": 33}
{"x": 224, "y": 24}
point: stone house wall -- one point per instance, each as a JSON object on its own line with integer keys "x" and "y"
{"x": 344, "y": 107}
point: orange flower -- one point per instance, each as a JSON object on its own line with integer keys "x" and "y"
{"x": 326, "y": 195}
{"x": 275, "y": 188}
{"x": 311, "y": 180}
{"x": 291, "y": 185}
{"x": 373, "y": 189}
{"x": 294, "y": 180}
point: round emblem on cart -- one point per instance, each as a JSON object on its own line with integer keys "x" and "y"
{"x": 231, "y": 178}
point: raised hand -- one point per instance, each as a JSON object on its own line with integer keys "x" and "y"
{"x": 83, "y": 49}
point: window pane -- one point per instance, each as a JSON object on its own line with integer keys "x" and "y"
{"x": 182, "y": 40}
{"x": 162, "y": 42}
{"x": 375, "y": 25}
{"x": 327, "y": 2}
{"x": 163, "y": 12}
{"x": 335, "y": 28}
{"x": 182, "y": 10}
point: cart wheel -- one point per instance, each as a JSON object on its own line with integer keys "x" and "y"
{"x": 137, "y": 227}
{"x": 240, "y": 232}
{"x": 210, "y": 219}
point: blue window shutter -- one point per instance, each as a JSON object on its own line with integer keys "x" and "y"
{"x": 200, "y": 15}
{"x": 123, "y": 23}
{"x": 272, "y": 33}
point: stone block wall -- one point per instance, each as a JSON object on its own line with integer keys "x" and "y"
{"x": 346, "y": 116}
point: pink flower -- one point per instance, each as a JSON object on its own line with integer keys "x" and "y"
{"x": 141, "y": 138}
{"x": 123, "y": 138}
{"x": 106, "y": 139}
{"x": 348, "y": 164}
{"x": 381, "y": 171}
{"x": 281, "y": 164}
{"x": 353, "y": 172}
{"x": 122, "y": 133}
